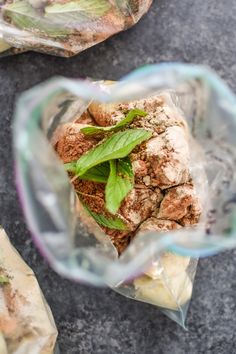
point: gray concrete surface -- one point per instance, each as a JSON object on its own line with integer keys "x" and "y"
{"x": 99, "y": 321}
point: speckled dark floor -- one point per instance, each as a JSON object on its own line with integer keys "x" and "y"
{"x": 98, "y": 321}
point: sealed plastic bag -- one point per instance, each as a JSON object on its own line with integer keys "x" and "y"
{"x": 158, "y": 264}
{"x": 26, "y": 322}
{"x": 64, "y": 28}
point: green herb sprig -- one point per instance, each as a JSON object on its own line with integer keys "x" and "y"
{"x": 117, "y": 146}
{"x": 112, "y": 223}
{"x": 98, "y": 173}
{"x": 92, "y": 130}
{"x": 108, "y": 163}
{"x": 119, "y": 184}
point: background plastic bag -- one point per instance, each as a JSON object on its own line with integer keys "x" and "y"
{"x": 26, "y": 322}
{"x": 71, "y": 241}
{"x": 64, "y": 28}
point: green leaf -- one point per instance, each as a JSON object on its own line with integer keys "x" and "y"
{"x": 3, "y": 280}
{"x": 99, "y": 173}
{"x": 112, "y": 223}
{"x": 119, "y": 184}
{"x": 114, "y": 147}
{"x": 70, "y": 167}
{"x": 24, "y": 16}
{"x": 124, "y": 122}
{"x": 73, "y": 13}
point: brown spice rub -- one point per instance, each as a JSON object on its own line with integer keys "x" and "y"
{"x": 85, "y": 118}
{"x": 71, "y": 143}
{"x": 168, "y": 154}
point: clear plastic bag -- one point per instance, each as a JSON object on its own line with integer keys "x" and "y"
{"x": 64, "y": 28}
{"x": 72, "y": 242}
{"x": 26, "y": 321}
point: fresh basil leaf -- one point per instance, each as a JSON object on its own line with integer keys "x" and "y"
{"x": 124, "y": 122}
{"x": 99, "y": 173}
{"x": 3, "y": 280}
{"x": 24, "y": 16}
{"x": 130, "y": 117}
{"x": 112, "y": 223}
{"x": 91, "y": 130}
{"x": 70, "y": 167}
{"x": 117, "y": 146}
{"x": 73, "y": 13}
{"x": 119, "y": 184}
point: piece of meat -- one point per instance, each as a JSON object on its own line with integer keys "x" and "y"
{"x": 163, "y": 161}
{"x": 168, "y": 156}
{"x": 171, "y": 295}
{"x": 160, "y": 225}
{"x": 181, "y": 204}
{"x": 105, "y": 114}
{"x": 139, "y": 204}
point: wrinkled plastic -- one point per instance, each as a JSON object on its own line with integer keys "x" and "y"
{"x": 64, "y": 28}
{"x": 72, "y": 242}
{"x": 26, "y": 321}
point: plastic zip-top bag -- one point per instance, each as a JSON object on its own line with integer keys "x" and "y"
{"x": 64, "y": 28}
{"x": 127, "y": 183}
{"x": 26, "y": 321}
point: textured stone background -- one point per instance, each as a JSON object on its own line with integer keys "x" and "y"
{"x": 99, "y": 321}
